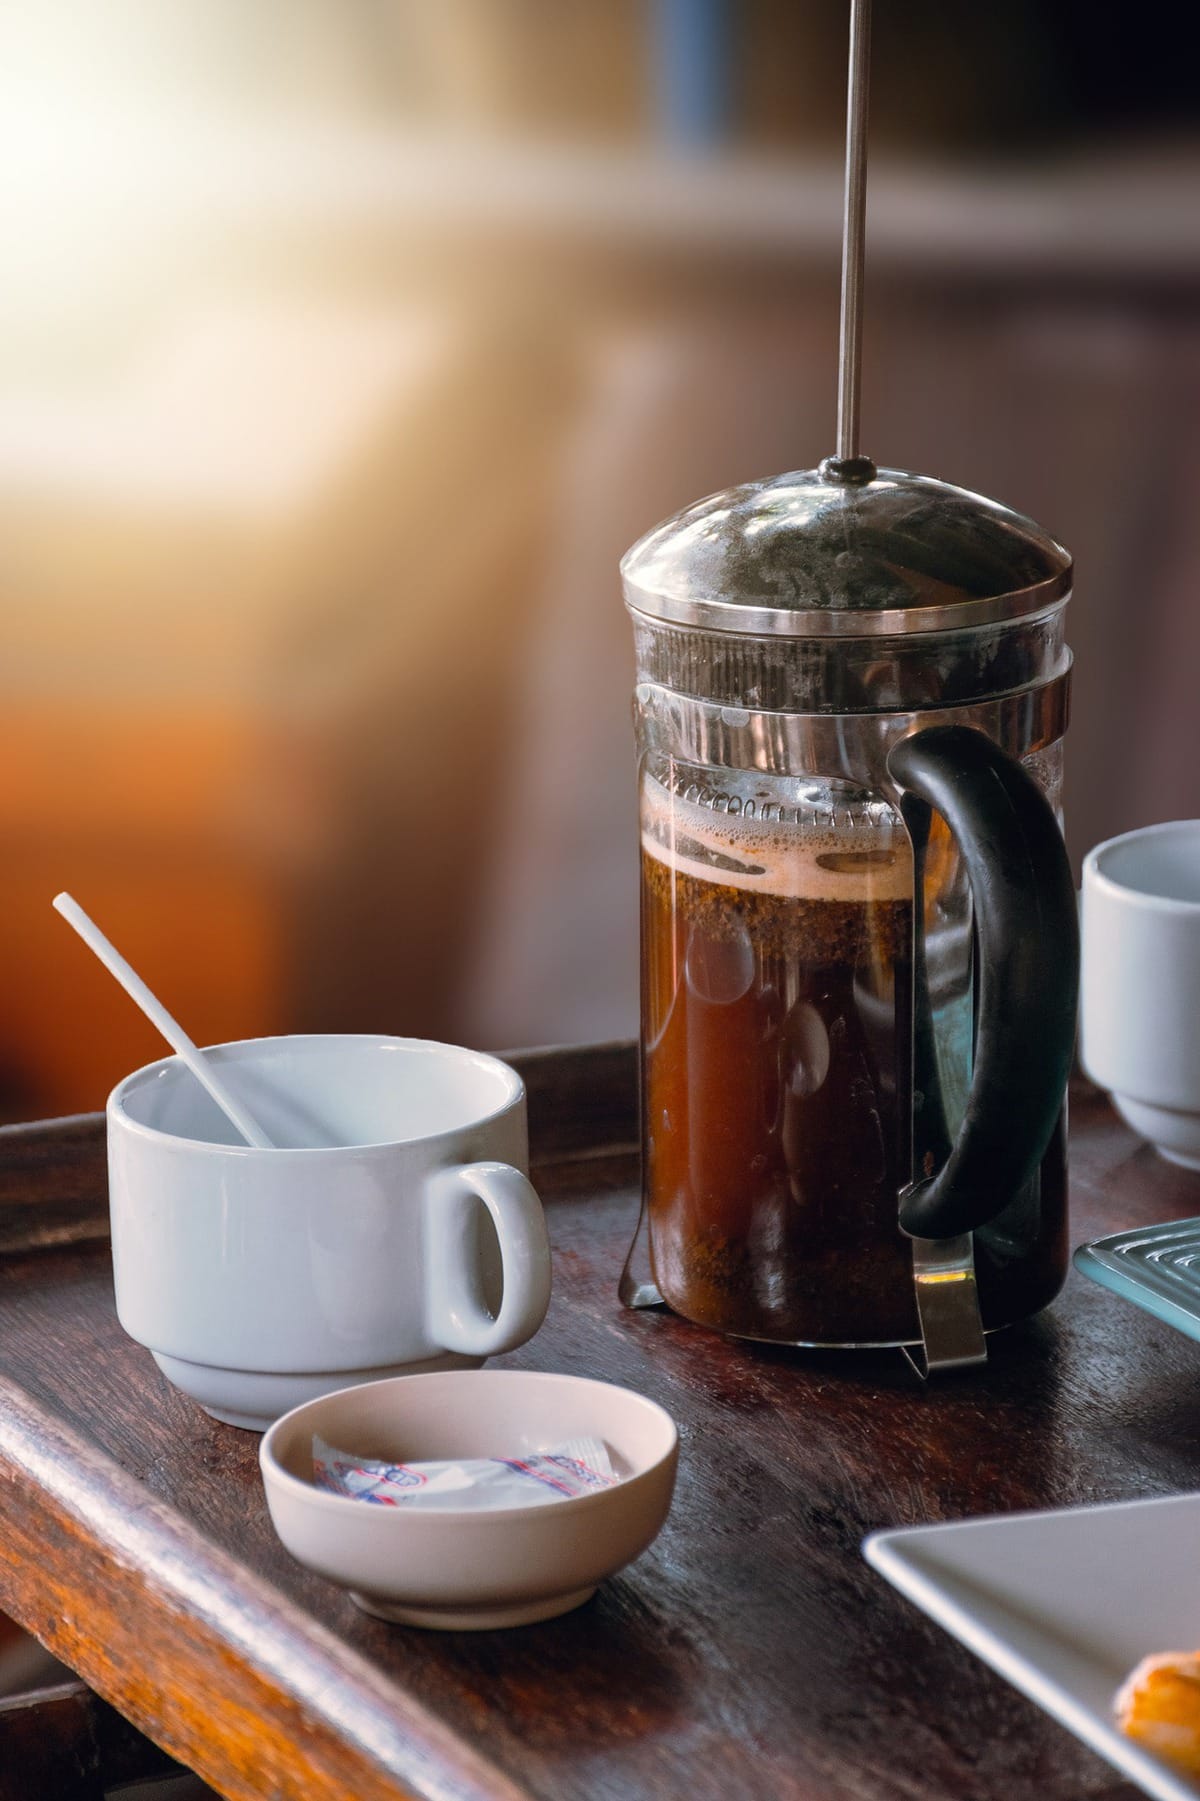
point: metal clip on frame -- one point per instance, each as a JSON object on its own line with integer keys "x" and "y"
{"x": 947, "y": 1306}
{"x": 635, "y": 1291}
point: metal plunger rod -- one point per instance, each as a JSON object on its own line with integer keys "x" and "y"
{"x": 854, "y": 219}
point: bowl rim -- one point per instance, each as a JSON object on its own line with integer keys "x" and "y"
{"x": 1096, "y": 877}
{"x": 273, "y": 1471}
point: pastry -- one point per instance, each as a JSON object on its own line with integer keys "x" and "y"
{"x": 1159, "y": 1706}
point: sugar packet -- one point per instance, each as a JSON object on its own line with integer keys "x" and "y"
{"x": 579, "y": 1466}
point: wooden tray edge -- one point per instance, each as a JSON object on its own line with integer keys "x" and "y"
{"x": 207, "y": 1658}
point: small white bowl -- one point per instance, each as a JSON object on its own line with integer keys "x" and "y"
{"x": 457, "y": 1569}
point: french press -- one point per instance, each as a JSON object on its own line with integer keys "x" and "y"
{"x": 859, "y": 931}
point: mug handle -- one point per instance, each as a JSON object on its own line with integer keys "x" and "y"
{"x": 1027, "y": 964}
{"x": 459, "y": 1319}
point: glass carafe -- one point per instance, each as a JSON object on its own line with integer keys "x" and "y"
{"x": 858, "y": 925}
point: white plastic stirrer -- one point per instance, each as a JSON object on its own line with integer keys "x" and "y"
{"x": 158, "y": 1016}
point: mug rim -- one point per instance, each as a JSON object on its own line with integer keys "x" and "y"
{"x": 1094, "y": 874}
{"x": 116, "y": 1111}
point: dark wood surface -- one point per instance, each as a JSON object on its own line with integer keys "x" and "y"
{"x": 749, "y": 1653}
{"x": 53, "y": 1183}
{"x": 63, "y": 1743}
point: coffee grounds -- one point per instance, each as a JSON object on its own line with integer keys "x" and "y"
{"x": 830, "y": 933}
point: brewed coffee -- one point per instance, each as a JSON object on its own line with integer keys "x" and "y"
{"x": 777, "y": 1041}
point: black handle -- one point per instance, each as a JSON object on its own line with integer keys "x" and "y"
{"x": 1027, "y": 953}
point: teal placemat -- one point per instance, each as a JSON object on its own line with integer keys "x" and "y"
{"x": 1157, "y": 1268}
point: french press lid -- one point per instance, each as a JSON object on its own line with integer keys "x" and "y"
{"x": 805, "y": 594}
{"x": 808, "y": 555}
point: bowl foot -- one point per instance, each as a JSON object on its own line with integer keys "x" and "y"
{"x": 248, "y": 1422}
{"x": 1178, "y": 1157}
{"x": 254, "y": 1399}
{"x": 1175, "y": 1135}
{"x": 474, "y": 1618}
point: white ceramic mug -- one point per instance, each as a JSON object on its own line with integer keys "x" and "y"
{"x": 1140, "y": 1017}
{"x": 394, "y": 1230}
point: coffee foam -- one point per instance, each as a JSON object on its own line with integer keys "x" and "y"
{"x": 775, "y": 858}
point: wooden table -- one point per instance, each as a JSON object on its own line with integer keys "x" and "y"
{"x": 750, "y": 1653}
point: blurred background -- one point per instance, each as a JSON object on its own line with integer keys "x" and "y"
{"x": 345, "y": 345}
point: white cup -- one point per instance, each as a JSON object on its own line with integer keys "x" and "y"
{"x": 403, "y": 1235}
{"x": 1140, "y": 1020}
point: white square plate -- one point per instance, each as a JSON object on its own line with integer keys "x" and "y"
{"x": 1064, "y": 1605}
